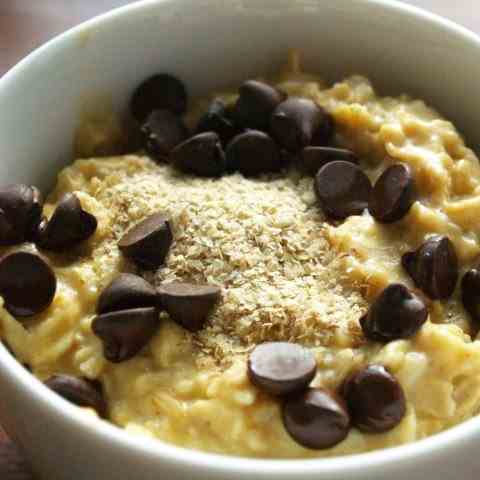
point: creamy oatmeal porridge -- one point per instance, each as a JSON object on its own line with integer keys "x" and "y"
{"x": 286, "y": 273}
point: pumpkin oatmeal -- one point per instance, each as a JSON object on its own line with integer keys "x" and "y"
{"x": 265, "y": 256}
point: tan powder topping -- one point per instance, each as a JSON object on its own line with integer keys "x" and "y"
{"x": 262, "y": 240}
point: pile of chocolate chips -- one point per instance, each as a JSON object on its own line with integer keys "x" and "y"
{"x": 27, "y": 281}
{"x": 371, "y": 399}
{"x": 128, "y": 309}
{"x": 260, "y": 133}
{"x": 399, "y": 312}
{"x": 128, "y": 312}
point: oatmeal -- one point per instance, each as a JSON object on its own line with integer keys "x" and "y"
{"x": 181, "y": 288}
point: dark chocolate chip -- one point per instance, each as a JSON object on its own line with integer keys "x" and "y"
{"x": 409, "y": 263}
{"x": 27, "y": 283}
{"x": 324, "y": 135}
{"x": 295, "y": 122}
{"x": 201, "y": 155}
{"x": 68, "y": 226}
{"x": 256, "y": 103}
{"x": 433, "y": 267}
{"x": 252, "y": 153}
{"x": 287, "y": 158}
{"x": 316, "y": 418}
{"x": 36, "y": 235}
{"x": 127, "y": 291}
{"x": 80, "y": 391}
{"x": 281, "y": 368}
{"x": 216, "y": 119}
{"x": 36, "y": 216}
{"x": 314, "y": 158}
{"x": 471, "y": 295}
{"x": 160, "y": 92}
{"x": 188, "y": 304}
{"x": 375, "y": 399}
{"x": 162, "y": 132}
{"x": 20, "y": 212}
{"x": 148, "y": 243}
{"x": 342, "y": 189}
{"x": 125, "y": 332}
{"x": 396, "y": 313}
{"x": 393, "y": 194}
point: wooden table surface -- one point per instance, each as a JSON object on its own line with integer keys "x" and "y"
{"x": 26, "y": 24}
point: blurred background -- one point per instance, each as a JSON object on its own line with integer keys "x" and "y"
{"x": 25, "y": 24}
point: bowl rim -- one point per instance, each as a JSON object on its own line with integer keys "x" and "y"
{"x": 160, "y": 451}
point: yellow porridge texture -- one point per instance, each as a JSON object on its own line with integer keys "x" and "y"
{"x": 285, "y": 273}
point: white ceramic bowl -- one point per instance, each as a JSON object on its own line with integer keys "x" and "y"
{"x": 210, "y": 44}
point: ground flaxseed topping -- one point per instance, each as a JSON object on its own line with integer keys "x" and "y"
{"x": 262, "y": 241}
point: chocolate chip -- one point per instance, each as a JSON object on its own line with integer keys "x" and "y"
{"x": 80, "y": 391}
{"x": 471, "y": 294}
{"x": 188, "y": 304}
{"x": 375, "y": 399}
{"x": 216, "y": 119}
{"x": 125, "y": 332}
{"x": 27, "y": 283}
{"x": 316, "y": 418}
{"x": 294, "y": 123}
{"x": 287, "y": 158}
{"x": 256, "y": 103}
{"x": 37, "y": 233}
{"x": 433, "y": 267}
{"x": 280, "y": 368}
{"x": 396, "y": 313}
{"x": 68, "y": 226}
{"x": 314, "y": 158}
{"x": 342, "y": 189}
{"x": 253, "y": 152}
{"x": 160, "y": 92}
{"x": 201, "y": 155}
{"x": 325, "y": 133}
{"x": 127, "y": 291}
{"x": 393, "y": 194}
{"x": 147, "y": 243}
{"x": 162, "y": 132}
{"x": 20, "y": 212}
{"x": 36, "y": 216}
